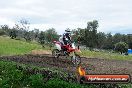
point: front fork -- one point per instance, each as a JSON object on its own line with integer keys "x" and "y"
{"x": 73, "y": 54}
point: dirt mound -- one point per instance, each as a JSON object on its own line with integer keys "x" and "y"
{"x": 40, "y": 52}
{"x": 45, "y": 60}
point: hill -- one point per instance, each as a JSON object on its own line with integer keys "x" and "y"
{"x": 16, "y": 47}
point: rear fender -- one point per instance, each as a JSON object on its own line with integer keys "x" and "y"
{"x": 58, "y": 46}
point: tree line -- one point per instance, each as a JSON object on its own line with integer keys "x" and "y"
{"x": 93, "y": 39}
{"x": 88, "y": 36}
{"x": 21, "y": 31}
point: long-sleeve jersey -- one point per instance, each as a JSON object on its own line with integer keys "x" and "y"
{"x": 66, "y": 36}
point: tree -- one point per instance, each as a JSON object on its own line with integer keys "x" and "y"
{"x": 22, "y": 27}
{"x": 91, "y": 34}
{"x": 13, "y": 33}
{"x": 101, "y": 37}
{"x": 129, "y": 40}
{"x": 42, "y": 38}
{"x": 24, "y": 24}
{"x": 5, "y": 29}
{"x": 51, "y": 35}
{"x": 75, "y": 36}
{"x": 36, "y": 33}
{"x": 78, "y": 36}
{"x": 117, "y": 38}
{"x": 27, "y": 36}
{"x": 109, "y": 44}
{"x": 121, "y": 47}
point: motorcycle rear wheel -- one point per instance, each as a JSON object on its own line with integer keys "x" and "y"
{"x": 56, "y": 53}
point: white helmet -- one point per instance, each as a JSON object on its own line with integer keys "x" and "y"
{"x": 68, "y": 30}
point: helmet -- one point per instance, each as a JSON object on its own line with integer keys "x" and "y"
{"x": 68, "y": 30}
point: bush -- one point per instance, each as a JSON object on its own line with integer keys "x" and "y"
{"x": 57, "y": 83}
{"x": 2, "y": 32}
{"x": 13, "y": 34}
{"x": 36, "y": 81}
{"x": 121, "y": 47}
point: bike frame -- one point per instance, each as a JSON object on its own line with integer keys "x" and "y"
{"x": 68, "y": 47}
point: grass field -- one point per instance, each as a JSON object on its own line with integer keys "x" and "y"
{"x": 16, "y": 47}
{"x": 105, "y": 55}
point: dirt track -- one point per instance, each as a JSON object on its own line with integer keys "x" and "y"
{"x": 97, "y": 66}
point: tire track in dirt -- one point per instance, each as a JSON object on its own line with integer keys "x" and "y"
{"x": 107, "y": 66}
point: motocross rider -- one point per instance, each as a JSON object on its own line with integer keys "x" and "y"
{"x": 66, "y": 37}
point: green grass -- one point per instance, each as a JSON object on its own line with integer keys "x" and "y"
{"x": 16, "y": 47}
{"x": 105, "y": 55}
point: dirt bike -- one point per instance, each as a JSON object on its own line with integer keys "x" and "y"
{"x": 66, "y": 50}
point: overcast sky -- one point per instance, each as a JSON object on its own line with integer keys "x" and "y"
{"x": 113, "y": 15}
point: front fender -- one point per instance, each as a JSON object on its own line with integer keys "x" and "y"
{"x": 78, "y": 50}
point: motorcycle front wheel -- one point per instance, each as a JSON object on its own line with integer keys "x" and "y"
{"x": 76, "y": 59}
